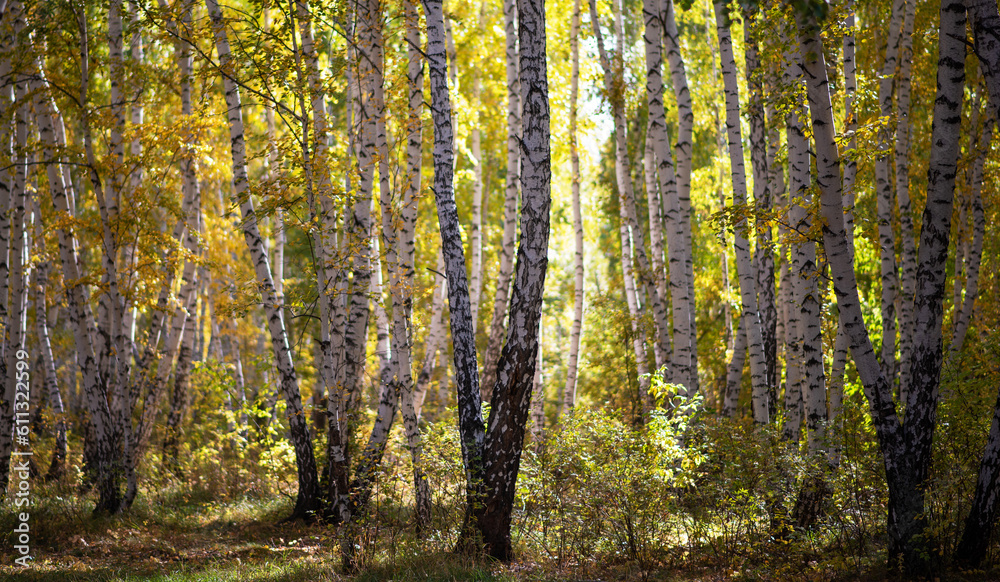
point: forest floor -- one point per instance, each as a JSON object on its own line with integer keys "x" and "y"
{"x": 185, "y": 540}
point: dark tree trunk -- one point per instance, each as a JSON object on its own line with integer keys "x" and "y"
{"x": 470, "y": 420}
{"x": 515, "y": 372}
{"x": 982, "y": 517}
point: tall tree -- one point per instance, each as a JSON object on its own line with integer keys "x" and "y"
{"x": 744, "y": 264}
{"x": 307, "y": 501}
{"x": 470, "y": 419}
{"x": 515, "y": 372}
{"x": 569, "y": 391}
{"x": 905, "y": 447}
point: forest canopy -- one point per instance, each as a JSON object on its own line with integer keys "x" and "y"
{"x": 604, "y": 287}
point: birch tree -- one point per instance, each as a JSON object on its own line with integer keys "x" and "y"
{"x": 744, "y": 265}
{"x": 569, "y": 391}
{"x": 307, "y": 501}
{"x": 471, "y": 429}
{"x": 511, "y": 190}
{"x": 515, "y": 372}
{"x": 905, "y": 447}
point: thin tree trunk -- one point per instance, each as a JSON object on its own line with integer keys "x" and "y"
{"x": 762, "y": 201}
{"x": 979, "y": 524}
{"x": 744, "y": 265}
{"x": 734, "y": 374}
{"x": 806, "y": 295}
{"x": 410, "y": 410}
{"x": 908, "y": 261}
{"x": 569, "y": 391}
{"x": 512, "y": 394}
{"x": 470, "y": 420}
{"x": 506, "y": 268}
{"x": 883, "y": 186}
{"x": 16, "y": 330}
{"x": 986, "y": 32}
{"x": 307, "y": 502}
{"x": 685, "y": 132}
{"x": 976, "y": 252}
{"x": 841, "y": 349}
{"x": 57, "y": 467}
{"x": 476, "y": 277}
{"x": 684, "y": 366}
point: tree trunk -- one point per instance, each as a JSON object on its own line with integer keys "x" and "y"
{"x": 908, "y": 261}
{"x": 965, "y": 308}
{"x": 975, "y": 542}
{"x": 57, "y": 467}
{"x": 744, "y": 265}
{"x": 307, "y": 502}
{"x": 512, "y": 394}
{"x": 476, "y": 277}
{"x": 806, "y": 295}
{"x": 470, "y": 418}
{"x": 15, "y": 337}
{"x": 883, "y": 186}
{"x": 685, "y": 131}
{"x": 684, "y": 366}
{"x": 905, "y": 449}
{"x": 986, "y": 32}
{"x": 506, "y": 268}
{"x": 410, "y": 411}
{"x": 734, "y": 375}
{"x": 762, "y": 201}
{"x": 569, "y": 391}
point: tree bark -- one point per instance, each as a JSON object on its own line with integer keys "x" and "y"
{"x": 744, "y": 265}
{"x": 506, "y": 268}
{"x": 569, "y": 391}
{"x": 512, "y": 394}
{"x": 685, "y": 133}
{"x": 906, "y": 448}
{"x": 975, "y": 542}
{"x": 965, "y": 308}
{"x": 410, "y": 410}
{"x": 685, "y": 369}
{"x": 470, "y": 420}
{"x": 307, "y": 501}
{"x": 986, "y": 33}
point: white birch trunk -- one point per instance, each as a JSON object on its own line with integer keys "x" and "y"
{"x": 908, "y": 261}
{"x": 685, "y": 132}
{"x": 403, "y": 309}
{"x": 624, "y": 181}
{"x": 308, "y": 496}
{"x": 506, "y": 267}
{"x": 476, "y": 277}
{"x": 471, "y": 429}
{"x": 887, "y": 239}
{"x": 569, "y": 391}
{"x": 512, "y": 393}
{"x": 744, "y": 265}
{"x": 684, "y": 366}
{"x": 965, "y": 308}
